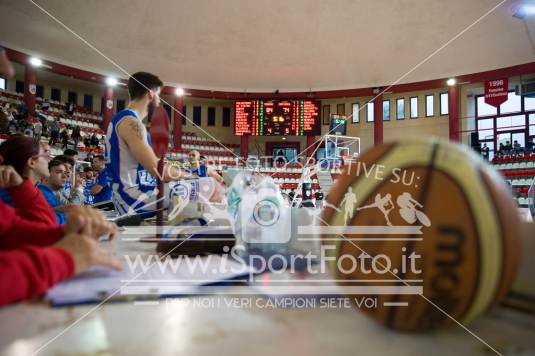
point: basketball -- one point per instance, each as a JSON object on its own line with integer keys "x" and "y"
{"x": 443, "y": 222}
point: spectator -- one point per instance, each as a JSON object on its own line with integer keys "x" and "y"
{"x": 22, "y": 109}
{"x": 89, "y": 183}
{"x": 485, "y": 151}
{"x": 69, "y": 195}
{"x": 27, "y": 271}
{"x": 71, "y": 153}
{"x": 52, "y": 186}
{"x": 530, "y": 147}
{"x": 280, "y": 159}
{"x": 70, "y": 108}
{"x": 507, "y": 147}
{"x": 28, "y": 157}
{"x": 90, "y": 174}
{"x": 101, "y": 190}
{"x": 94, "y": 141}
{"x": 90, "y": 156}
{"x": 12, "y": 129}
{"x": 28, "y": 130}
{"x": 54, "y": 133}
{"x": 45, "y": 129}
{"x": 4, "y": 123}
{"x": 65, "y": 138}
{"x": 75, "y": 135}
{"x": 11, "y": 113}
{"x": 33, "y": 255}
{"x": 87, "y": 142}
{"x": 517, "y": 149}
{"x": 37, "y": 130}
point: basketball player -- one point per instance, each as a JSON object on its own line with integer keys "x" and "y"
{"x": 131, "y": 162}
{"x": 198, "y": 168}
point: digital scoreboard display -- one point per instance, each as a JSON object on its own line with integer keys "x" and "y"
{"x": 337, "y": 124}
{"x": 272, "y": 118}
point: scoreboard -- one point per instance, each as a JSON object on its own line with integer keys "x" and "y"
{"x": 272, "y": 118}
{"x": 337, "y": 124}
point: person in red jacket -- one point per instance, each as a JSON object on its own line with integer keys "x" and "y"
{"x": 27, "y": 269}
{"x": 30, "y": 160}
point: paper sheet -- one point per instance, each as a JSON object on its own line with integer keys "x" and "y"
{"x": 179, "y": 276}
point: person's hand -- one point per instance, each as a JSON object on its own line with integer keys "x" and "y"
{"x": 218, "y": 194}
{"x": 87, "y": 252}
{"x": 88, "y": 221}
{"x": 9, "y": 177}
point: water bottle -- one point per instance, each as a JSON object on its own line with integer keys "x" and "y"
{"x": 259, "y": 214}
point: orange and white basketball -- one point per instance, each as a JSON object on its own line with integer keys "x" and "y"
{"x": 438, "y": 201}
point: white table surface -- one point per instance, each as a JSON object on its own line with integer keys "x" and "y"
{"x": 180, "y": 328}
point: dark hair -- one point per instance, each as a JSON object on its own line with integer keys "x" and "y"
{"x": 54, "y": 163}
{"x": 140, "y": 83}
{"x": 16, "y": 151}
{"x": 65, "y": 159}
{"x": 70, "y": 152}
{"x": 87, "y": 169}
{"x": 99, "y": 157}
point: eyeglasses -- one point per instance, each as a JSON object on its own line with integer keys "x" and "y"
{"x": 45, "y": 155}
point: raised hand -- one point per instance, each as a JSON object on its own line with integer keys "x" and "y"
{"x": 9, "y": 177}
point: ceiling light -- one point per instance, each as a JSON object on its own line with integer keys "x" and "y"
{"x": 179, "y": 91}
{"x": 111, "y": 82}
{"x": 36, "y": 62}
{"x": 451, "y": 82}
{"x": 526, "y": 9}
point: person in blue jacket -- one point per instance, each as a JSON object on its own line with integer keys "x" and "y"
{"x": 101, "y": 190}
{"x": 54, "y": 183}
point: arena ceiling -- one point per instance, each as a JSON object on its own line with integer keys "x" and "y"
{"x": 286, "y": 45}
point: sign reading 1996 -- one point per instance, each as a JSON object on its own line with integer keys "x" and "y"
{"x": 271, "y": 118}
{"x": 496, "y": 91}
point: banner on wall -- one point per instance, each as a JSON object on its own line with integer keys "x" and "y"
{"x": 496, "y": 91}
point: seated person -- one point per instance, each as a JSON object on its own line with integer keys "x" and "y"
{"x": 101, "y": 189}
{"x": 87, "y": 174}
{"x": 34, "y": 256}
{"x": 71, "y": 153}
{"x": 67, "y": 195}
{"x": 132, "y": 164}
{"x": 28, "y": 157}
{"x": 51, "y": 186}
{"x": 197, "y": 167}
{"x": 89, "y": 178}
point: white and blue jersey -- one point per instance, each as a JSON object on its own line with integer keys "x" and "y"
{"x": 132, "y": 185}
{"x": 134, "y": 189}
{"x": 201, "y": 171}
